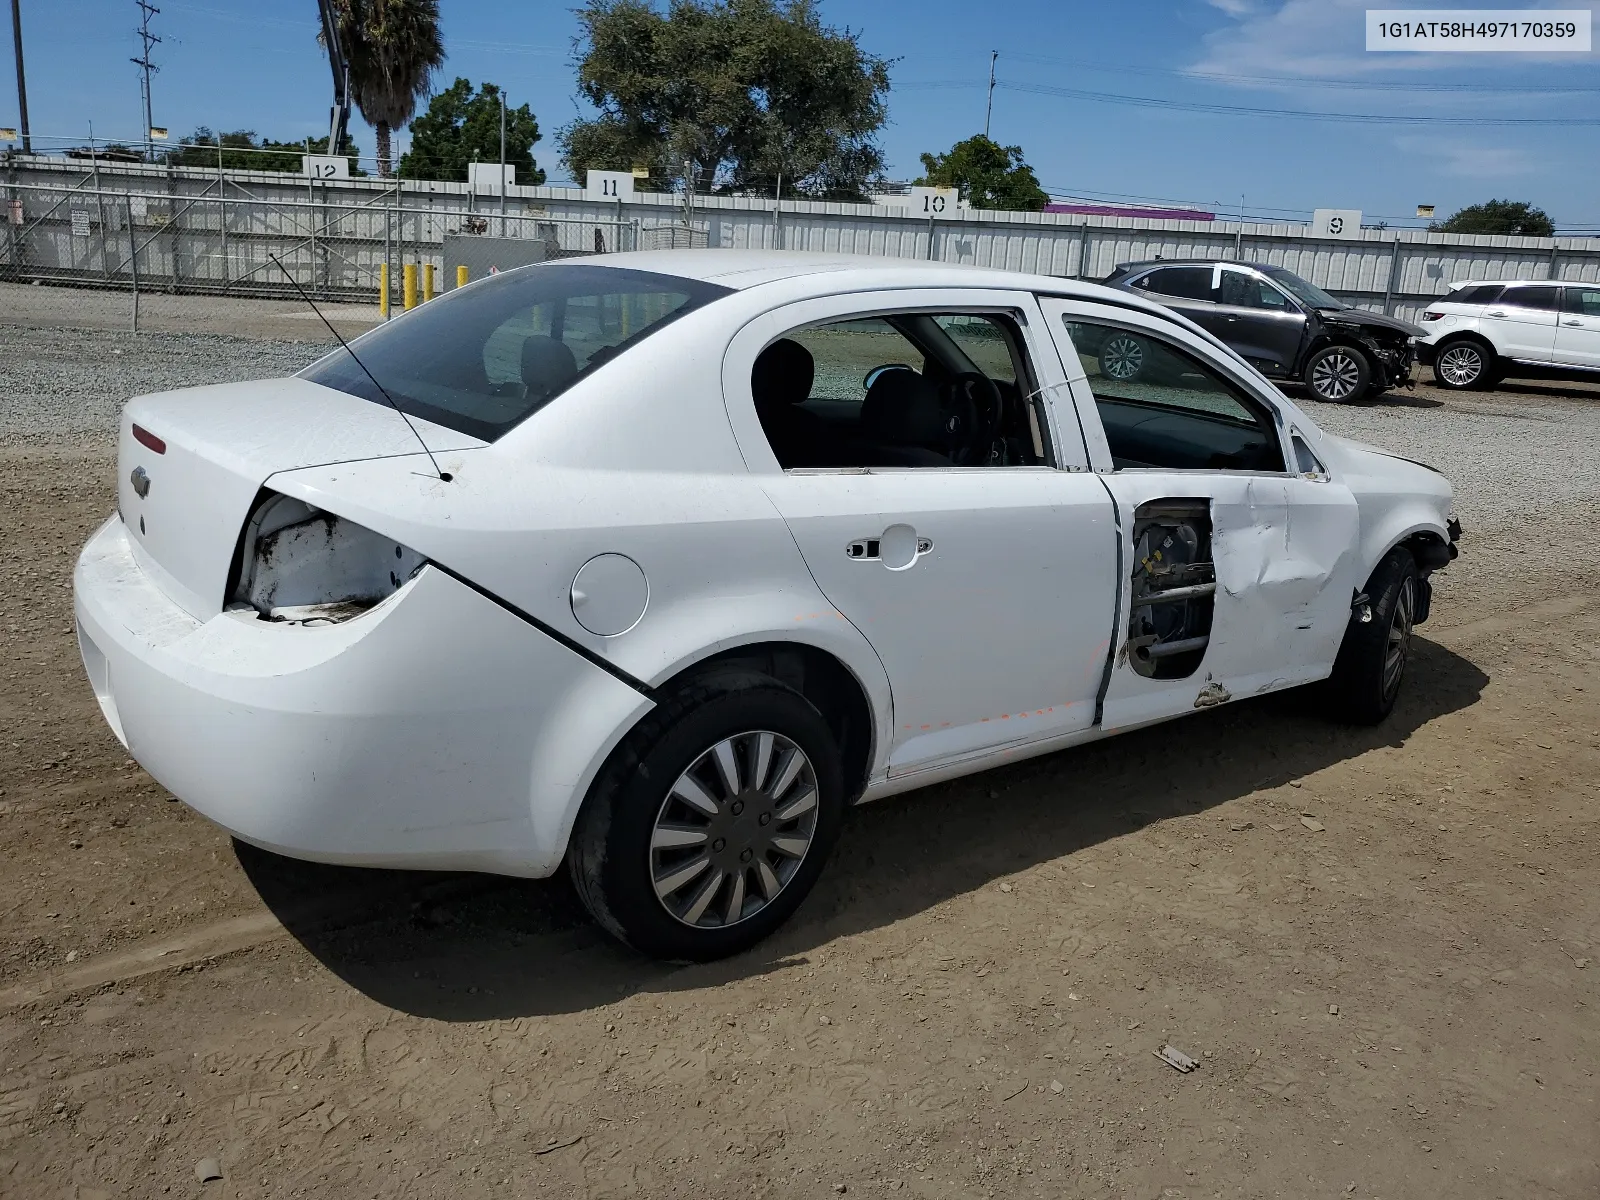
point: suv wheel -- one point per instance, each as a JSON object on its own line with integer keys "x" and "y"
{"x": 1338, "y": 374}
{"x": 1122, "y": 357}
{"x": 712, "y": 819}
{"x": 1463, "y": 364}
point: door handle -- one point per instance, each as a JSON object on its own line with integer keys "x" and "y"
{"x": 897, "y": 548}
{"x": 1496, "y": 314}
{"x": 1579, "y": 324}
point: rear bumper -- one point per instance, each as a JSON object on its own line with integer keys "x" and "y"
{"x": 436, "y": 730}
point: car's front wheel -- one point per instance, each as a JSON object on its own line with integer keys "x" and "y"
{"x": 711, "y": 822}
{"x": 1462, "y": 365}
{"x": 1372, "y": 659}
{"x": 1338, "y": 374}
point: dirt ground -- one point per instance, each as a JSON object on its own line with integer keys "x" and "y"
{"x": 1382, "y": 946}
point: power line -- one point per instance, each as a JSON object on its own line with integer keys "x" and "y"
{"x": 1235, "y": 110}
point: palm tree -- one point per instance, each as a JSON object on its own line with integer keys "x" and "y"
{"x": 394, "y": 48}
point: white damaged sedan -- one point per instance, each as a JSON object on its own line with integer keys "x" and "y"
{"x": 667, "y": 557}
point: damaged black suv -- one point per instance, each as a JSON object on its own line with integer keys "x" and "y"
{"x": 1287, "y": 328}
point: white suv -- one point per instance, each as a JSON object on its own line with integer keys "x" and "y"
{"x": 1482, "y": 332}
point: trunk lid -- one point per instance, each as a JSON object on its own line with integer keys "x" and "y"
{"x": 185, "y": 505}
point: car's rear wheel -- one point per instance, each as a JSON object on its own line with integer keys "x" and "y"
{"x": 1462, "y": 365}
{"x": 1372, "y": 659}
{"x": 1338, "y": 374}
{"x": 712, "y": 820}
{"x": 1122, "y": 357}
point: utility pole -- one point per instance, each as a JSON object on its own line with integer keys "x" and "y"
{"x": 22, "y": 83}
{"x": 503, "y": 163}
{"x": 146, "y": 11}
{"x": 988, "y": 108}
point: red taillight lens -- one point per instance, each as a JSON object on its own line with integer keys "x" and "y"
{"x": 148, "y": 440}
{"x": 1432, "y": 316}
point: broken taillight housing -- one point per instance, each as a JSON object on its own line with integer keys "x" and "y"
{"x": 301, "y": 565}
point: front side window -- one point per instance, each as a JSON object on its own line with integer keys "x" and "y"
{"x": 1542, "y": 298}
{"x": 1242, "y": 290}
{"x": 1585, "y": 301}
{"x": 1309, "y": 293}
{"x": 900, "y": 390}
{"x": 481, "y": 359}
{"x": 1161, "y": 407}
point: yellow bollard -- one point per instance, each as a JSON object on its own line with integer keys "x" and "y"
{"x": 427, "y": 282}
{"x": 408, "y": 275}
{"x": 461, "y": 277}
{"x": 383, "y": 290}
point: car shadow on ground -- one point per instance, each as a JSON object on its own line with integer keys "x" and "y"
{"x": 476, "y": 947}
{"x": 1394, "y": 398}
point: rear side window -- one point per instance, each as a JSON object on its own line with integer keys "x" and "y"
{"x": 1477, "y": 293}
{"x": 485, "y": 357}
{"x": 1188, "y": 283}
{"x": 1531, "y": 297}
{"x": 1585, "y": 301}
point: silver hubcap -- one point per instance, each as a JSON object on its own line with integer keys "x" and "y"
{"x": 1335, "y": 376}
{"x": 1122, "y": 358}
{"x": 1394, "y": 659}
{"x": 1461, "y": 365}
{"x": 734, "y": 829}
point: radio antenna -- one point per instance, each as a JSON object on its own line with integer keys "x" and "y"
{"x": 444, "y": 476}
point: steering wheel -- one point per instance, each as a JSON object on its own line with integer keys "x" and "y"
{"x": 972, "y": 412}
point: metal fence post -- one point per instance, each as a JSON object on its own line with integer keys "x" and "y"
{"x": 388, "y": 256}
{"x": 1394, "y": 274}
{"x": 1552, "y": 273}
{"x": 1083, "y": 251}
{"x": 133, "y": 259}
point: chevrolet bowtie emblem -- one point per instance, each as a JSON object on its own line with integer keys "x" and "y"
{"x": 141, "y": 482}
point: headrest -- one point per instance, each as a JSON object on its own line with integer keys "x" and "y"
{"x": 783, "y": 374}
{"x": 547, "y": 365}
{"x": 902, "y": 409}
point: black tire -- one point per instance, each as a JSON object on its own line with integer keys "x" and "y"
{"x": 1464, "y": 365}
{"x": 1337, "y": 374}
{"x": 1372, "y": 660}
{"x": 613, "y": 860}
{"x": 1122, "y": 357}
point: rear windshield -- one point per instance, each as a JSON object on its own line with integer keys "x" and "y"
{"x": 485, "y": 357}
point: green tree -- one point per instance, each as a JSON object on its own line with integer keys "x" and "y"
{"x": 742, "y": 90}
{"x": 989, "y": 175}
{"x": 1498, "y": 216}
{"x": 393, "y": 48}
{"x": 241, "y": 151}
{"x": 461, "y": 127}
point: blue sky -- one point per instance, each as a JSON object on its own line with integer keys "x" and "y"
{"x": 256, "y": 64}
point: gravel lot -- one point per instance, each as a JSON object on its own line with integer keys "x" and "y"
{"x": 1381, "y": 944}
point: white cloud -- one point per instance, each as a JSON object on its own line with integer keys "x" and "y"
{"x": 1235, "y": 8}
{"x": 1461, "y": 158}
{"x": 1326, "y": 39}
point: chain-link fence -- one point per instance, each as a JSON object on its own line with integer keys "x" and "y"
{"x": 228, "y": 242}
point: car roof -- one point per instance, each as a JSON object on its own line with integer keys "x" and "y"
{"x": 1197, "y": 262}
{"x": 745, "y": 269}
{"x": 1461, "y": 283}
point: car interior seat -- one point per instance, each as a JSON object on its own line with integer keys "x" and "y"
{"x": 780, "y": 382}
{"x": 902, "y": 423}
{"x": 548, "y": 366}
